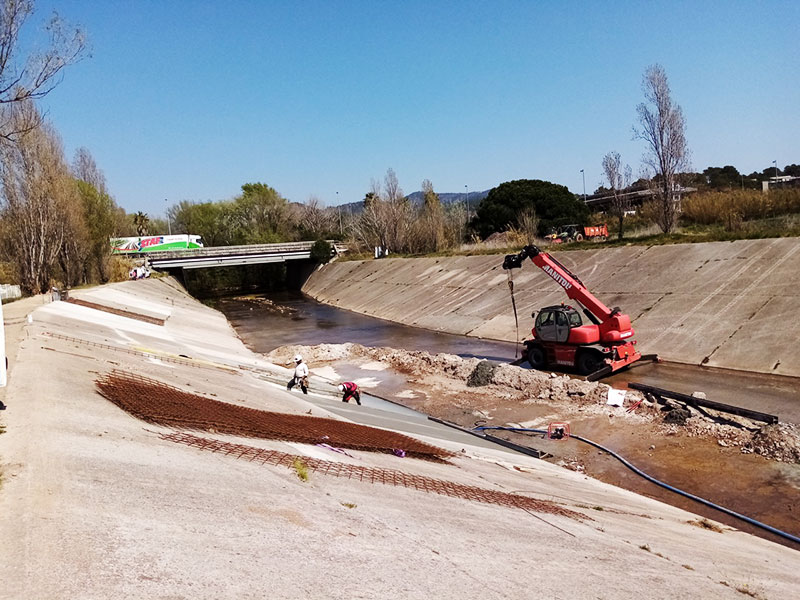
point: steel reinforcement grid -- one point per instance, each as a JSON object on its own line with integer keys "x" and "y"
{"x": 372, "y": 475}
{"x": 158, "y": 403}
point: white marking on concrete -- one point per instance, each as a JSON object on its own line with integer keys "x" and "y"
{"x": 367, "y": 382}
{"x": 374, "y": 366}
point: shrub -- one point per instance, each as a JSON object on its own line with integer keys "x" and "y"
{"x": 321, "y": 251}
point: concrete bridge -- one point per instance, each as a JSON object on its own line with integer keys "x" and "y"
{"x": 232, "y": 256}
{"x": 295, "y": 255}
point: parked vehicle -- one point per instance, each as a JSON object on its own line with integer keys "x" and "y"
{"x": 578, "y": 233}
{"x": 155, "y": 243}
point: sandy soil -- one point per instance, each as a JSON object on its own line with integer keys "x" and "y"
{"x": 744, "y": 465}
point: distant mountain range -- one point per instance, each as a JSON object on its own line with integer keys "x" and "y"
{"x": 417, "y": 198}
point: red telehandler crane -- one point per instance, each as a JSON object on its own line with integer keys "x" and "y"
{"x": 560, "y": 338}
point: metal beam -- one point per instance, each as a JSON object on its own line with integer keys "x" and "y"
{"x": 692, "y": 401}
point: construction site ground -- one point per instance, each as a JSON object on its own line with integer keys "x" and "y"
{"x": 722, "y": 462}
{"x": 97, "y": 503}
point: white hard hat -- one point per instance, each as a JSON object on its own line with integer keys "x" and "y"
{"x": 341, "y": 387}
{"x": 298, "y": 358}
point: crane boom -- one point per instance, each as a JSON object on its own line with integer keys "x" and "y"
{"x": 562, "y": 276}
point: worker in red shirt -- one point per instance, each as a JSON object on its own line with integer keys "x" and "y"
{"x": 350, "y": 390}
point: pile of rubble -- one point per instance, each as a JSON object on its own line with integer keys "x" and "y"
{"x": 780, "y": 442}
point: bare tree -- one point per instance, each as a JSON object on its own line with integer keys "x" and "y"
{"x": 85, "y": 169}
{"x": 387, "y": 217}
{"x": 315, "y": 219}
{"x": 619, "y": 179}
{"x": 663, "y": 128}
{"x": 23, "y": 79}
{"x": 370, "y": 228}
{"x": 40, "y": 202}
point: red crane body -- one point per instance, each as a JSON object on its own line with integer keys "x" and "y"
{"x": 559, "y": 335}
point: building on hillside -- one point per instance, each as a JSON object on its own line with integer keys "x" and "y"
{"x": 602, "y": 202}
{"x": 780, "y": 182}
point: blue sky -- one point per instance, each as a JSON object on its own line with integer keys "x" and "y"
{"x": 188, "y": 100}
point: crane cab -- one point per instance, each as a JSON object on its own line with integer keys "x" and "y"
{"x": 563, "y": 324}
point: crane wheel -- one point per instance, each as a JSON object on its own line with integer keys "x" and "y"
{"x": 589, "y": 361}
{"x": 537, "y": 357}
{"x": 578, "y": 237}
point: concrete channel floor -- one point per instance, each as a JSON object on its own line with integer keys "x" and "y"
{"x": 95, "y": 504}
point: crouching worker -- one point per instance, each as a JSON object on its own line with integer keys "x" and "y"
{"x": 300, "y": 375}
{"x": 350, "y": 390}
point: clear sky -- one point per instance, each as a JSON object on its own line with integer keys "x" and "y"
{"x": 188, "y": 100}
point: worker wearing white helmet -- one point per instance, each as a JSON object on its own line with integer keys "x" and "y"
{"x": 300, "y": 375}
{"x": 350, "y": 390}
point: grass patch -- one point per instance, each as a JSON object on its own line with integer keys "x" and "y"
{"x": 300, "y": 469}
{"x": 2, "y": 429}
{"x": 688, "y": 567}
{"x": 645, "y": 547}
{"x": 349, "y": 504}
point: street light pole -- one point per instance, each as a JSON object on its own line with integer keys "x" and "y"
{"x": 339, "y": 210}
{"x": 583, "y": 176}
{"x": 466, "y": 192}
{"x": 169, "y": 221}
{"x": 775, "y": 162}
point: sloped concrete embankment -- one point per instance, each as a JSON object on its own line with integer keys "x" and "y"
{"x": 722, "y": 304}
{"x": 95, "y": 503}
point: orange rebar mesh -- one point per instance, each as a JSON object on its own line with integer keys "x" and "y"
{"x": 373, "y": 475}
{"x": 156, "y": 402}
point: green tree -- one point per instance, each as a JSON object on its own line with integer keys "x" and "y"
{"x": 141, "y": 222}
{"x": 200, "y": 218}
{"x": 793, "y": 170}
{"x": 99, "y": 215}
{"x": 260, "y": 216}
{"x": 553, "y": 204}
{"x": 723, "y": 177}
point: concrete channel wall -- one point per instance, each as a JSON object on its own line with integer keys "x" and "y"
{"x": 723, "y": 304}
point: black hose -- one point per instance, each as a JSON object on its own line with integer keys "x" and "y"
{"x": 666, "y": 486}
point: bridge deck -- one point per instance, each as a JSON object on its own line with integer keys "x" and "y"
{"x": 219, "y": 256}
